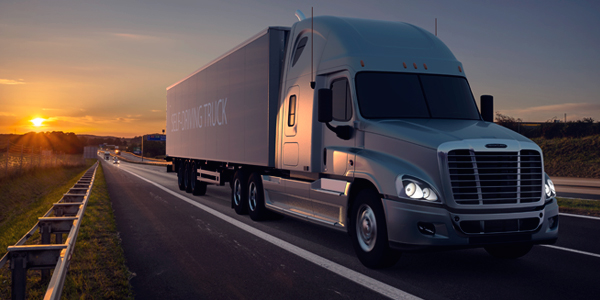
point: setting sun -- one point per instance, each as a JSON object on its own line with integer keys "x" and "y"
{"x": 37, "y": 122}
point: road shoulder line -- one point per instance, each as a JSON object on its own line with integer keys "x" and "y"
{"x": 572, "y": 250}
{"x": 579, "y": 216}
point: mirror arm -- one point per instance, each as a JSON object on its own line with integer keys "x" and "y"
{"x": 343, "y": 132}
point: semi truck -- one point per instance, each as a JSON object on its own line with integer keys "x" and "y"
{"x": 365, "y": 126}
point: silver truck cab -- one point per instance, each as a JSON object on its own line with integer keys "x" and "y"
{"x": 403, "y": 153}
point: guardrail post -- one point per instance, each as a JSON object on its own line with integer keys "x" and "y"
{"x": 18, "y": 266}
{"x": 45, "y": 232}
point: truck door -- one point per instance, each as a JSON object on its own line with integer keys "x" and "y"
{"x": 297, "y": 192}
{"x": 338, "y": 157}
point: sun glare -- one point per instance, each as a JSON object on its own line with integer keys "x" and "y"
{"x": 37, "y": 122}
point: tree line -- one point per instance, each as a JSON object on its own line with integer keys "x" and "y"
{"x": 549, "y": 130}
{"x": 70, "y": 143}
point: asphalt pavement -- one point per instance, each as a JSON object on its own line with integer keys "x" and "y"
{"x": 187, "y": 247}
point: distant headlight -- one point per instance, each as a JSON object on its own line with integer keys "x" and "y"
{"x": 408, "y": 187}
{"x": 549, "y": 187}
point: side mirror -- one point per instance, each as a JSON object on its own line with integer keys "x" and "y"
{"x": 487, "y": 108}
{"x": 325, "y": 98}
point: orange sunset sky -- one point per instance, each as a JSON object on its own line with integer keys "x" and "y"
{"x": 102, "y": 67}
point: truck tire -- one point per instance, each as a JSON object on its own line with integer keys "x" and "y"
{"x": 239, "y": 192}
{"x": 256, "y": 198}
{"x": 200, "y": 189}
{"x": 188, "y": 177}
{"x": 368, "y": 231}
{"x": 181, "y": 176}
{"x": 510, "y": 251}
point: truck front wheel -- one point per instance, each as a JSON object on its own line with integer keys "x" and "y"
{"x": 239, "y": 192}
{"x": 256, "y": 198}
{"x": 368, "y": 230}
{"x": 511, "y": 251}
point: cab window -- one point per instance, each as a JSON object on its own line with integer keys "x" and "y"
{"x": 342, "y": 105}
{"x": 299, "y": 48}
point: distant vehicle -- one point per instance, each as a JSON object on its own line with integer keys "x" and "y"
{"x": 106, "y": 155}
{"x": 116, "y": 161}
{"x": 372, "y": 129}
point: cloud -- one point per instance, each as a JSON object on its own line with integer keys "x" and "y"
{"x": 126, "y": 120}
{"x": 156, "y": 110}
{"x": 6, "y": 114}
{"x": 135, "y": 37}
{"x": 11, "y": 82}
{"x": 89, "y": 120}
{"x": 558, "y": 108}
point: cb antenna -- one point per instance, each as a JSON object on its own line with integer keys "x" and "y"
{"x": 312, "y": 83}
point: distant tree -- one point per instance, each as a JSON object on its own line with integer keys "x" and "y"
{"x": 56, "y": 141}
{"x": 508, "y": 122}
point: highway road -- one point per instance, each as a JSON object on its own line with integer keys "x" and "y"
{"x": 187, "y": 247}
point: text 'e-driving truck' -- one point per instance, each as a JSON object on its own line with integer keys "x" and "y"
{"x": 366, "y": 126}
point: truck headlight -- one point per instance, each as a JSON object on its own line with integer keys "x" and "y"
{"x": 408, "y": 187}
{"x": 549, "y": 187}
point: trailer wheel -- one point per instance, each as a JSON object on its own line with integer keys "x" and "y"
{"x": 368, "y": 231}
{"x": 239, "y": 192}
{"x": 511, "y": 251}
{"x": 256, "y": 198}
{"x": 188, "y": 177}
{"x": 181, "y": 176}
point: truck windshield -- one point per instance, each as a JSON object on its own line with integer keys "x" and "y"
{"x": 402, "y": 95}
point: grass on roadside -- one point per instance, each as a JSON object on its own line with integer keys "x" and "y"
{"x": 97, "y": 269}
{"x": 579, "y": 206}
{"x": 571, "y": 157}
{"x": 25, "y": 198}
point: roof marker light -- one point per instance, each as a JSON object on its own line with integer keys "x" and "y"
{"x": 404, "y": 64}
{"x": 459, "y": 69}
{"x": 425, "y": 65}
{"x": 362, "y": 63}
{"x": 415, "y": 65}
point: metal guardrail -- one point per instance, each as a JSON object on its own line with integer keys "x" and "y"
{"x": 66, "y": 218}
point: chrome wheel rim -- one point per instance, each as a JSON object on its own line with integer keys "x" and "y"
{"x": 252, "y": 194}
{"x": 237, "y": 192}
{"x": 366, "y": 228}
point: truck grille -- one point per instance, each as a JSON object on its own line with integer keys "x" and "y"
{"x": 480, "y": 178}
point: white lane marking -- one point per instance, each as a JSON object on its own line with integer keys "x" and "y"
{"x": 572, "y": 250}
{"x": 579, "y": 216}
{"x": 365, "y": 281}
